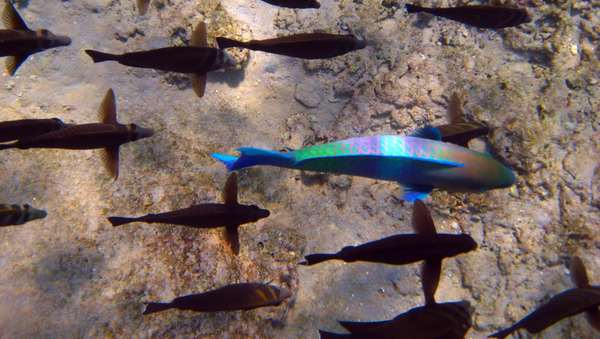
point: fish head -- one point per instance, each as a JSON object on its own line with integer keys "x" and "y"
{"x": 260, "y": 213}
{"x": 359, "y": 44}
{"x": 138, "y": 132}
{"x": 315, "y": 4}
{"x": 226, "y": 60}
{"x": 52, "y": 40}
{"x": 469, "y": 243}
{"x": 35, "y": 213}
{"x": 282, "y": 293}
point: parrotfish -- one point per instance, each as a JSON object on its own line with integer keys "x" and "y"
{"x": 108, "y": 135}
{"x": 18, "y": 42}
{"x": 228, "y": 298}
{"x": 445, "y": 320}
{"x": 584, "y": 298}
{"x": 480, "y": 16}
{"x": 458, "y": 131}
{"x": 404, "y": 249}
{"x": 19, "y": 214}
{"x": 419, "y": 163}
{"x": 231, "y": 215}
{"x": 27, "y": 128}
{"x": 198, "y": 59}
{"x": 303, "y": 45}
{"x": 295, "y": 3}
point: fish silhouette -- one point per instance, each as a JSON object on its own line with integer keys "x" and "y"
{"x": 403, "y": 249}
{"x": 294, "y": 3}
{"x": 11, "y": 215}
{"x": 584, "y": 298}
{"x": 303, "y": 45}
{"x": 419, "y": 162}
{"x": 27, "y": 128}
{"x": 480, "y": 16}
{"x": 197, "y": 59}
{"x": 18, "y": 42}
{"x": 445, "y": 320}
{"x": 108, "y": 134}
{"x": 233, "y": 297}
{"x": 231, "y": 215}
{"x": 458, "y": 131}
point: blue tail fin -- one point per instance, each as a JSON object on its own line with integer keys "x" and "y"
{"x": 254, "y": 156}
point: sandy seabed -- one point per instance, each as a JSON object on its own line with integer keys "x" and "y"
{"x": 73, "y": 275}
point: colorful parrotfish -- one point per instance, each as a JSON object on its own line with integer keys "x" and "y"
{"x": 420, "y": 162}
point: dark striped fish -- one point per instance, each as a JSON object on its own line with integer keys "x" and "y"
{"x": 11, "y": 215}
{"x": 446, "y": 320}
{"x": 458, "y": 131}
{"x": 197, "y": 59}
{"x": 18, "y": 42}
{"x": 108, "y": 134}
{"x": 27, "y": 128}
{"x": 228, "y": 298}
{"x": 584, "y": 298}
{"x": 303, "y": 45}
{"x": 230, "y": 214}
{"x": 294, "y": 3}
{"x": 480, "y": 16}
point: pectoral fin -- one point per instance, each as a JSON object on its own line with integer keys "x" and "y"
{"x": 578, "y": 273}
{"x": 455, "y": 112}
{"x": 232, "y": 237}
{"x": 229, "y": 193}
{"x": 142, "y": 6}
{"x": 110, "y": 157}
{"x": 198, "y": 84}
{"x": 13, "y": 62}
{"x": 12, "y": 19}
{"x": 199, "y": 37}
{"x": 421, "y": 222}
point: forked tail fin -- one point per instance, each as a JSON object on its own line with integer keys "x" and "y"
{"x": 118, "y": 221}
{"x": 254, "y": 156}
{"x": 312, "y": 259}
{"x": 101, "y": 56}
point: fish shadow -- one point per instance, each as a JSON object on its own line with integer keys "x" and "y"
{"x": 232, "y": 78}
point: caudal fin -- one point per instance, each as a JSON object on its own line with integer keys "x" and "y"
{"x": 254, "y": 156}
{"x": 313, "y": 259}
{"x": 226, "y": 43}
{"x": 101, "y": 56}
{"x": 156, "y": 307}
{"x": 410, "y": 8}
{"x": 118, "y": 221}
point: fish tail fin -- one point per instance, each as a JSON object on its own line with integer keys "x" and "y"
{"x": 312, "y": 259}
{"x": 101, "y": 56}
{"x": 254, "y": 156}
{"x": 327, "y": 335}
{"x": 118, "y": 221}
{"x": 226, "y": 43}
{"x": 156, "y": 307}
{"x": 410, "y": 8}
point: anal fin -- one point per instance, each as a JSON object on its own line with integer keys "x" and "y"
{"x": 198, "y": 81}
{"x": 232, "y": 237}
{"x": 13, "y": 62}
{"x": 110, "y": 157}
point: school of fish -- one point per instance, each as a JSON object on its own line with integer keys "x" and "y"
{"x": 433, "y": 157}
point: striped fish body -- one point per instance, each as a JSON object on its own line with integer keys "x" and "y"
{"x": 233, "y": 297}
{"x": 84, "y": 136}
{"x": 445, "y": 320}
{"x": 11, "y": 215}
{"x": 303, "y": 45}
{"x": 207, "y": 216}
{"x": 181, "y": 59}
{"x": 27, "y": 128}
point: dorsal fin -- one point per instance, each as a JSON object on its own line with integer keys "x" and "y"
{"x": 108, "y": 108}
{"x": 578, "y": 273}
{"x": 455, "y": 112}
{"x": 431, "y": 133}
{"x": 12, "y": 19}
{"x": 229, "y": 193}
{"x": 422, "y": 223}
{"x": 199, "y": 36}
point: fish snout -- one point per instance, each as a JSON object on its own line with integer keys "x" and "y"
{"x": 63, "y": 40}
{"x": 138, "y": 132}
{"x": 263, "y": 213}
{"x": 145, "y": 132}
{"x": 360, "y": 44}
{"x": 284, "y": 293}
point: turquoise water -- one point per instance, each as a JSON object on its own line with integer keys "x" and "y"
{"x": 72, "y": 274}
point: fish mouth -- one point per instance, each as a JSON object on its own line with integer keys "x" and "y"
{"x": 63, "y": 40}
